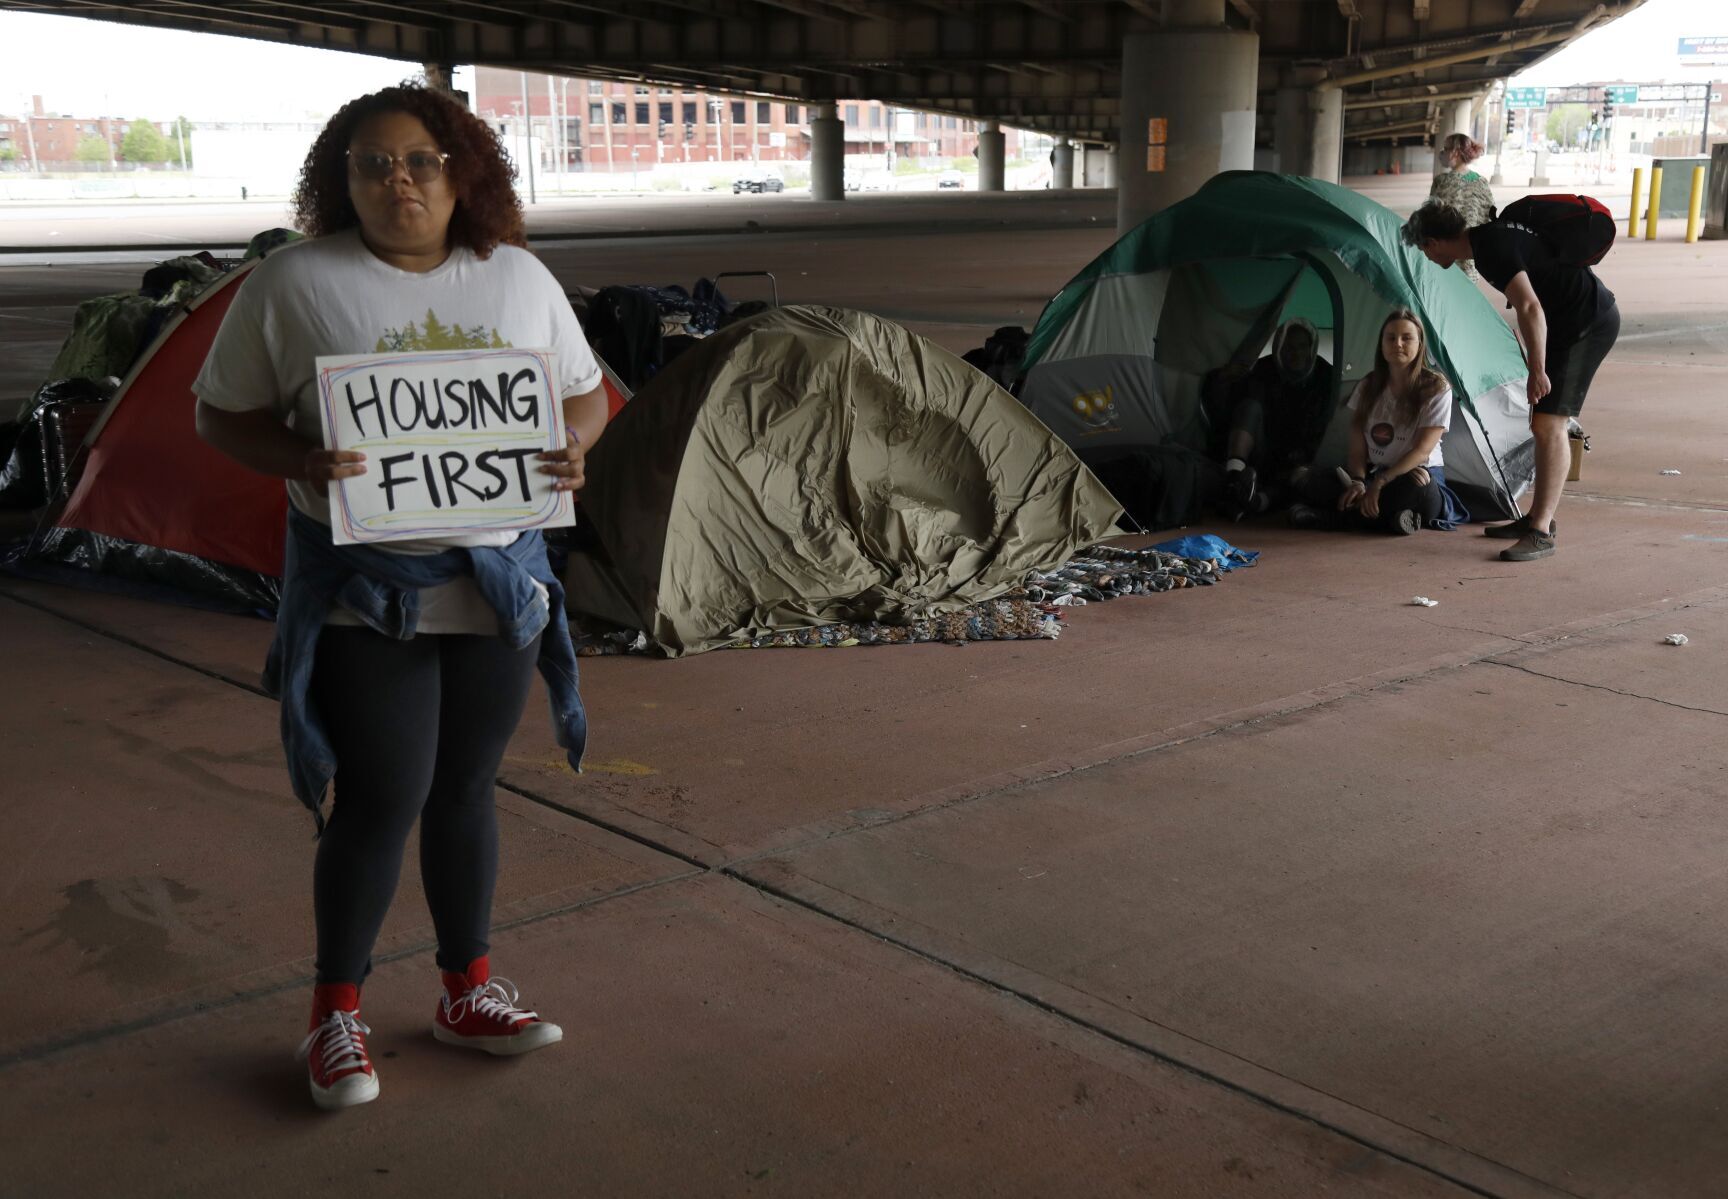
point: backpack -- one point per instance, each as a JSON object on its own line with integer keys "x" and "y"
{"x": 1577, "y": 230}
{"x": 1000, "y": 355}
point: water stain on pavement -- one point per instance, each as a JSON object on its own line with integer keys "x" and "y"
{"x": 131, "y": 930}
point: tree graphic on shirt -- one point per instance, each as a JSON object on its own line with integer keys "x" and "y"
{"x": 436, "y": 335}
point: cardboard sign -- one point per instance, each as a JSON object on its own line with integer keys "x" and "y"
{"x": 451, "y": 439}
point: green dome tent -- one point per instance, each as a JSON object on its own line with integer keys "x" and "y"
{"x": 1118, "y": 356}
{"x": 811, "y": 466}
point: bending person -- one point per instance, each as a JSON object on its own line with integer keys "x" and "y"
{"x": 1277, "y": 421}
{"x": 1395, "y": 477}
{"x": 1567, "y": 323}
{"x": 403, "y": 669}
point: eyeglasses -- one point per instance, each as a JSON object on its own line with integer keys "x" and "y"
{"x": 423, "y": 165}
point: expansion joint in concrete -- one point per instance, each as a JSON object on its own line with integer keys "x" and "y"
{"x": 1096, "y": 1028}
{"x": 1554, "y": 678}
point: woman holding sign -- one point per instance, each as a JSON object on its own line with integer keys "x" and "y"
{"x": 403, "y": 667}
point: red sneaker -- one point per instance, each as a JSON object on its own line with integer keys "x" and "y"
{"x": 480, "y": 1012}
{"x": 335, "y": 1049}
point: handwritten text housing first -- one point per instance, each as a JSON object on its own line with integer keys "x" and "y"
{"x": 450, "y": 436}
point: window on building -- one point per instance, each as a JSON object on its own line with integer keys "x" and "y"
{"x": 763, "y": 113}
{"x": 641, "y": 89}
{"x": 595, "y": 87}
{"x": 665, "y": 91}
{"x": 666, "y": 112}
{"x": 737, "y": 112}
{"x": 794, "y": 115}
{"x": 875, "y": 117}
{"x": 618, "y": 111}
{"x": 642, "y": 113}
{"x": 852, "y": 114}
{"x": 689, "y": 112}
{"x": 948, "y": 122}
{"x": 596, "y": 114}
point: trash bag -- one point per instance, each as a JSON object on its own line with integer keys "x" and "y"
{"x": 200, "y": 269}
{"x": 262, "y": 243}
{"x": 624, "y": 325}
{"x": 1000, "y": 355}
{"x": 24, "y": 481}
{"x": 107, "y": 334}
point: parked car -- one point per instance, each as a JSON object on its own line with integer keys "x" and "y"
{"x": 951, "y": 179}
{"x": 758, "y": 181}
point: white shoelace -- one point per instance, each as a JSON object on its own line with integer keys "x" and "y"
{"x": 493, "y": 1001}
{"x": 342, "y": 1047}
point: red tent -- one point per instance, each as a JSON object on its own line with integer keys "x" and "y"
{"x": 148, "y": 479}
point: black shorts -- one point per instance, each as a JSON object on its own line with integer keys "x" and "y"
{"x": 1572, "y": 366}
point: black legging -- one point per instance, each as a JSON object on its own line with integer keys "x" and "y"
{"x": 419, "y": 728}
{"x": 1322, "y": 487}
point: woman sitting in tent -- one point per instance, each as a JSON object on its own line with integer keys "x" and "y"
{"x": 1395, "y": 479}
{"x": 402, "y": 670}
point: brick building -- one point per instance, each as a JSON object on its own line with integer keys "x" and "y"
{"x": 40, "y": 140}
{"x": 605, "y": 126}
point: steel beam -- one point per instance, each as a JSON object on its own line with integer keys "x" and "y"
{"x": 1446, "y": 60}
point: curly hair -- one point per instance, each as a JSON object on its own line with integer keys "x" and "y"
{"x": 488, "y": 213}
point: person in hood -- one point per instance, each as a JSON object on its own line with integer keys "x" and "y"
{"x": 1277, "y": 421}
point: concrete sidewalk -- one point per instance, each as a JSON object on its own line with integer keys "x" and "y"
{"x": 1277, "y": 888}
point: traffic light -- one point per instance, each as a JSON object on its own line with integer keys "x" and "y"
{"x": 1607, "y": 108}
{"x": 1511, "y": 117}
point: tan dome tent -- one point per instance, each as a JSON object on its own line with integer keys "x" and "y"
{"x": 814, "y": 465}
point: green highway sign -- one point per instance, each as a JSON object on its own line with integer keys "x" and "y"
{"x": 1527, "y": 97}
{"x": 1627, "y": 94}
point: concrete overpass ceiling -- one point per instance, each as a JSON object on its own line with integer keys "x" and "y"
{"x": 1052, "y": 65}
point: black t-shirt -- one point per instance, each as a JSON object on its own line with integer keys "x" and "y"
{"x": 1572, "y": 297}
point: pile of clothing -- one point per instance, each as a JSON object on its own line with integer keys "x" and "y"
{"x": 1029, "y": 612}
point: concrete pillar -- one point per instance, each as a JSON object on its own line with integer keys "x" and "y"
{"x": 1188, "y": 99}
{"x": 1464, "y": 118}
{"x": 827, "y": 154}
{"x": 1308, "y": 125}
{"x": 441, "y": 77}
{"x": 1062, "y": 164}
{"x": 993, "y": 158}
{"x": 1454, "y": 118}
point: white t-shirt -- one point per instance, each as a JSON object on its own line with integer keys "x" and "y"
{"x": 331, "y": 296}
{"x": 1389, "y": 441}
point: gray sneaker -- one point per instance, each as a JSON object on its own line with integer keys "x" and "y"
{"x": 1516, "y": 529}
{"x": 1531, "y": 546}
